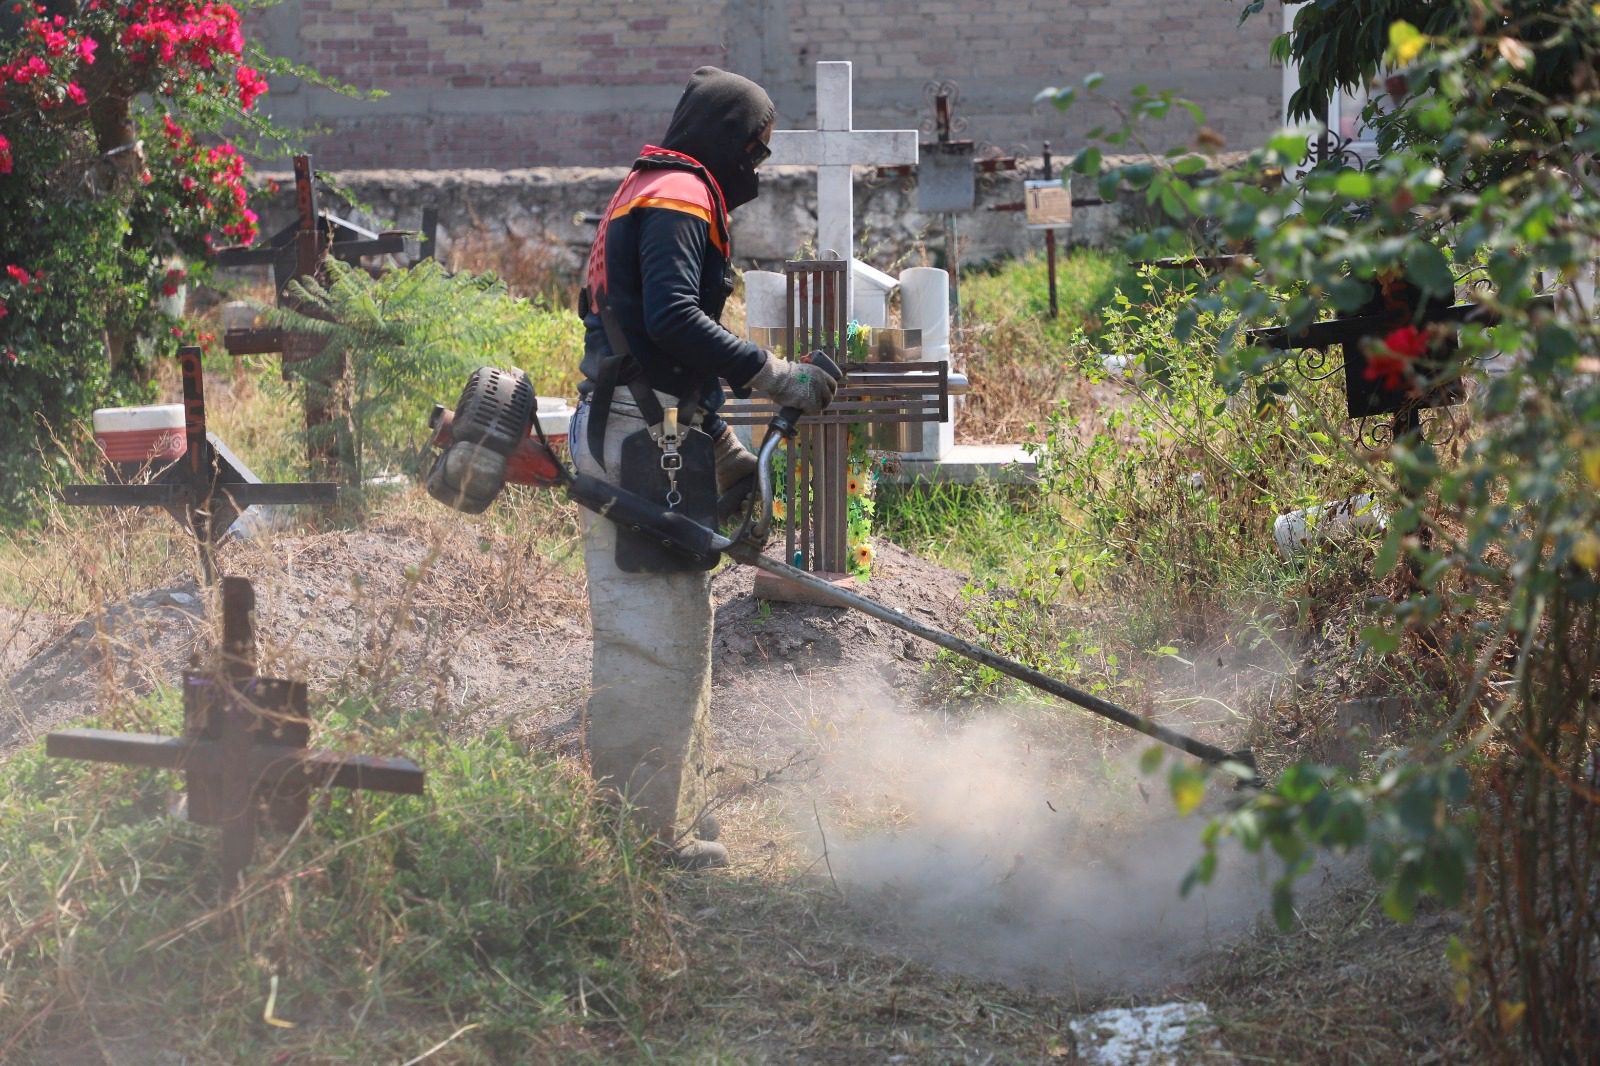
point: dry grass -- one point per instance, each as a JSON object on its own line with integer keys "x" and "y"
{"x": 530, "y": 267}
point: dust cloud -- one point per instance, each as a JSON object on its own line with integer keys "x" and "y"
{"x": 996, "y": 846}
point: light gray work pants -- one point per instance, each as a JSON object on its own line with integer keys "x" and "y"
{"x": 650, "y": 697}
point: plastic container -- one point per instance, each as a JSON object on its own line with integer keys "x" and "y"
{"x": 139, "y": 435}
{"x": 1298, "y": 530}
{"x": 555, "y": 416}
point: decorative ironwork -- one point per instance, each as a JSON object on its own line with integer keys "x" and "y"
{"x": 1440, "y": 427}
{"x": 1328, "y": 146}
{"x": 1314, "y": 364}
{"x": 1374, "y": 433}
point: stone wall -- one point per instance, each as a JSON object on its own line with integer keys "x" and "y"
{"x": 519, "y": 83}
{"x": 541, "y": 204}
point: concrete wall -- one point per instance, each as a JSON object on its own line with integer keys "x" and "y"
{"x": 540, "y": 205}
{"x": 520, "y": 83}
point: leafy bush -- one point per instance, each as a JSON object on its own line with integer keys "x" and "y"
{"x": 409, "y": 338}
{"x": 106, "y": 201}
{"x": 1488, "y": 181}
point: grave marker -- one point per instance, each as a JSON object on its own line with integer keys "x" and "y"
{"x": 816, "y": 492}
{"x": 834, "y": 147}
{"x": 243, "y": 752}
{"x": 296, "y": 252}
{"x": 208, "y": 487}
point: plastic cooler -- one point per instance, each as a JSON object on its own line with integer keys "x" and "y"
{"x": 555, "y": 416}
{"x": 134, "y": 436}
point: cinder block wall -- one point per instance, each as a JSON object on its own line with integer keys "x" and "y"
{"x": 520, "y": 83}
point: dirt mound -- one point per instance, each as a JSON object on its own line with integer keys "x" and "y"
{"x": 427, "y": 615}
{"x": 482, "y": 630}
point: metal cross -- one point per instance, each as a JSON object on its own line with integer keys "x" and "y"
{"x": 947, "y": 176}
{"x": 297, "y": 252}
{"x": 209, "y": 486}
{"x": 243, "y": 753}
{"x": 816, "y": 493}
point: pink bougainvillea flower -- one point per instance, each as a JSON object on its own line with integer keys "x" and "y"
{"x": 5, "y": 155}
{"x": 86, "y": 47}
{"x": 251, "y": 86}
{"x": 76, "y": 94}
{"x": 18, "y": 275}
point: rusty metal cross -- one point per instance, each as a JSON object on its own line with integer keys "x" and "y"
{"x": 243, "y": 753}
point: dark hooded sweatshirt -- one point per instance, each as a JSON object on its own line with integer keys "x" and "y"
{"x": 661, "y": 259}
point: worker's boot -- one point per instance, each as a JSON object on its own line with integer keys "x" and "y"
{"x": 698, "y": 855}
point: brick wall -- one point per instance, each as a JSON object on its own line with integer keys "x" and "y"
{"x": 516, "y": 83}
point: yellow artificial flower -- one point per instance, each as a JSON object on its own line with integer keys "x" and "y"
{"x": 864, "y": 556}
{"x": 856, "y": 485}
{"x": 1591, "y": 465}
{"x": 778, "y": 509}
{"x": 1586, "y": 552}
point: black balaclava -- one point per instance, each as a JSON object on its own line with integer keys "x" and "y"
{"x": 717, "y": 117}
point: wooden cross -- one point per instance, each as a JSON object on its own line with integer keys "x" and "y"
{"x": 207, "y": 488}
{"x": 833, "y": 148}
{"x": 297, "y": 252}
{"x": 816, "y": 492}
{"x": 243, "y": 753}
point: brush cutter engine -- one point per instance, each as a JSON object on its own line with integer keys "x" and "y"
{"x": 489, "y": 424}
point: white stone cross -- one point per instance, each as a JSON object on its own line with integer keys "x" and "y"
{"x": 833, "y": 147}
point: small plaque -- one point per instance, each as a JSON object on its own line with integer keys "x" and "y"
{"x": 1048, "y": 204}
{"x": 946, "y": 178}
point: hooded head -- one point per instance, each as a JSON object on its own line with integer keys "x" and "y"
{"x": 718, "y": 117}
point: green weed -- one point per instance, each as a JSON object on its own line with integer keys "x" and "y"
{"x": 505, "y": 900}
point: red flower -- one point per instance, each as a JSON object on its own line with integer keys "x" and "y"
{"x": 5, "y": 155}
{"x": 1408, "y": 341}
{"x": 251, "y": 86}
{"x": 18, "y": 275}
{"x": 76, "y": 94}
{"x": 86, "y": 47}
{"x": 11, "y": 357}
{"x": 1389, "y": 363}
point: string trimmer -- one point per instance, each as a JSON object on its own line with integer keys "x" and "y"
{"x": 485, "y": 451}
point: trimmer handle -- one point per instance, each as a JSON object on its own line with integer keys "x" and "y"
{"x": 787, "y": 421}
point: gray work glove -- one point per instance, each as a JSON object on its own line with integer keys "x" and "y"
{"x": 735, "y": 462}
{"x": 795, "y": 384}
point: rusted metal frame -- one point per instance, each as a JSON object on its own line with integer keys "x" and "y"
{"x": 230, "y": 767}
{"x": 206, "y": 489}
{"x": 268, "y": 763}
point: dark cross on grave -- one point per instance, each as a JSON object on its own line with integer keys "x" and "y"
{"x": 297, "y": 252}
{"x": 816, "y": 491}
{"x": 244, "y": 750}
{"x": 209, "y": 486}
{"x": 947, "y": 173}
{"x": 1369, "y": 391}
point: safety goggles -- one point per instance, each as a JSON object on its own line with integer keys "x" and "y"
{"x": 759, "y": 153}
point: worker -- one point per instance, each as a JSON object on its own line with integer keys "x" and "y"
{"x": 658, "y": 275}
